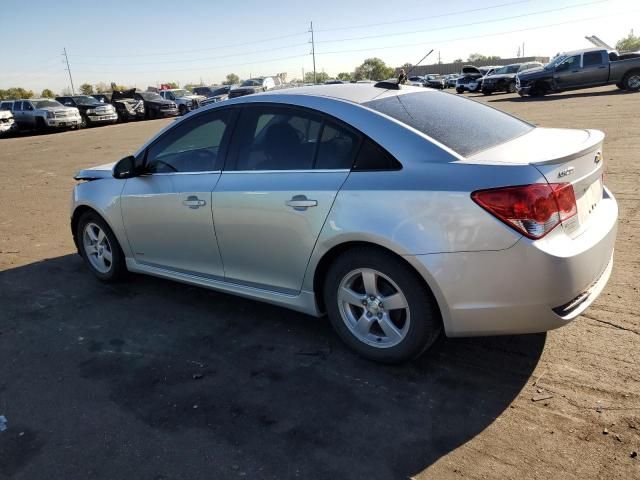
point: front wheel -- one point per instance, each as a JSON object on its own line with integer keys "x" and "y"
{"x": 380, "y": 307}
{"x": 487, "y": 92}
{"x": 100, "y": 248}
{"x": 511, "y": 88}
{"x": 459, "y": 90}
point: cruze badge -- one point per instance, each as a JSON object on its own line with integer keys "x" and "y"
{"x": 566, "y": 172}
{"x": 598, "y": 158}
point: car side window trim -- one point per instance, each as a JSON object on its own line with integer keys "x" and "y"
{"x": 224, "y": 144}
{"x": 231, "y": 160}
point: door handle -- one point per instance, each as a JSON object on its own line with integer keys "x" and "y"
{"x": 193, "y": 202}
{"x": 300, "y": 202}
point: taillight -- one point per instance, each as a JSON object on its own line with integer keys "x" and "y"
{"x": 533, "y": 210}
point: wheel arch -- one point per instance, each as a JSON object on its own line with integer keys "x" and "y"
{"x": 80, "y": 210}
{"x": 335, "y": 251}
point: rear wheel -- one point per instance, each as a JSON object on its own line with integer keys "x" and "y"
{"x": 183, "y": 110}
{"x": 459, "y": 90}
{"x": 631, "y": 81}
{"x": 379, "y": 306}
{"x": 100, "y": 248}
{"x": 487, "y": 92}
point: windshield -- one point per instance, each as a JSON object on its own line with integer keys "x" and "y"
{"x": 180, "y": 93}
{"x": 220, "y": 91}
{"x": 150, "y": 95}
{"x": 555, "y": 61}
{"x": 463, "y": 125}
{"x": 46, "y": 103}
{"x": 507, "y": 69}
{"x": 84, "y": 100}
{"x": 252, "y": 82}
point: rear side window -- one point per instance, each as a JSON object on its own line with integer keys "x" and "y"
{"x": 17, "y": 106}
{"x": 336, "y": 148}
{"x": 590, "y": 59}
{"x": 463, "y": 125}
{"x": 372, "y": 157}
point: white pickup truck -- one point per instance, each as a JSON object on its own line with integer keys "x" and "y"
{"x": 44, "y": 113}
{"x": 185, "y": 100}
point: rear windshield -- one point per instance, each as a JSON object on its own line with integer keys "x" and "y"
{"x": 463, "y": 125}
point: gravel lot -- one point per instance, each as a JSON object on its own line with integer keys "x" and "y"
{"x": 156, "y": 380}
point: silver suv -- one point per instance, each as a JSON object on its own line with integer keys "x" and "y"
{"x": 43, "y": 113}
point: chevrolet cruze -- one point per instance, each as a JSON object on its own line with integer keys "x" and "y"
{"x": 399, "y": 212}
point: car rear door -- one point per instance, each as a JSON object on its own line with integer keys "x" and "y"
{"x": 594, "y": 69}
{"x": 167, "y": 212}
{"x": 284, "y": 169}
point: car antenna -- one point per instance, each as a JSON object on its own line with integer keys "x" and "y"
{"x": 396, "y": 85}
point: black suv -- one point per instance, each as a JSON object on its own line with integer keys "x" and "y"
{"x": 155, "y": 106}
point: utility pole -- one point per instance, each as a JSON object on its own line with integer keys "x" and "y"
{"x": 73, "y": 92}
{"x": 439, "y": 57}
{"x": 302, "y": 74}
{"x": 313, "y": 54}
{"x": 523, "y": 49}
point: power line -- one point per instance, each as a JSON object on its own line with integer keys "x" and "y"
{"x": 179, "y": 52}
{"x": 193, "y": 59}
{"x": 466, "y": 24}
{"x": 467, "y": 37}
{"x": 449, "y": 14}
{"x": 199, "y": 69}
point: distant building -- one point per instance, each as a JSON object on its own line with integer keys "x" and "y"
{"x": 447, "y": 68}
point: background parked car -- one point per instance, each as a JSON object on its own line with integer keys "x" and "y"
{"x": 213, "y": 94}
{"x": 102, "y": 97}
{"x": 185, "y": 100}
{"x": 504, "y": 78}
{"x": 8, "y": 125}
{"x": 586, "y": 68}
{"x": 256, "y": 85}
{"x": 91, "y": 110}
{"x": 127, "y": 105}
{"x": 416, "y": 81}
{"x": 44, "y": 113}
{"x": 471, "y": 78}
{"x": 434, "y": 81}
{"x": 155, "y": 106}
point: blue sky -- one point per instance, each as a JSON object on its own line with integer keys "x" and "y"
{"x": 142, "y": 43}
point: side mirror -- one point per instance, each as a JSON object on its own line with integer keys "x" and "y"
{"x": 126, "y": 168}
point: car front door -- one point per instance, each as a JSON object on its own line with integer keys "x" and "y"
{"x": 167, "y": 211}
{"x": 564, "y": 75}
{"x": 284, "y": 169}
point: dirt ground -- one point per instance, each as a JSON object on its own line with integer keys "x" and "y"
{"x": 155, "y": 380}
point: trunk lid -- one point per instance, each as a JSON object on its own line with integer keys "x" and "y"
{"x": 561, "y": 156}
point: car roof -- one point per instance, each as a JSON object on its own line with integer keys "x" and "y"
{"x": 351, "y": 92}
{"x": 586, "y": 50}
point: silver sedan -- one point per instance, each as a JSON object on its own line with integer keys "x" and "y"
{"x": 398, "y": 212}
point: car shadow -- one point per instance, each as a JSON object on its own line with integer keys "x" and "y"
{"x": 101, "y": 376}
{"x": 561, "y": 96}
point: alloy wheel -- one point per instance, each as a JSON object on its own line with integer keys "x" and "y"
{"x": 373, "y": 308}
{"x": 634, "y": 82}
{"x": 97, "y": 248}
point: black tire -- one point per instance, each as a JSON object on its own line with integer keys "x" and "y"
{"x": 183, "y": 110}
{"x": 631, "y": 81}
{"x": 511, "y": 87}
{"x": 620, "y": 85}
{"x": 118, "y": 267}
{"x": 424, "y": 325}
{"x": 41, "y": 126}
{"x": 84, "y": 122}
{"x": 459, "y": 90}
{"x": 538, "y": 90}
{"x": 487, "y": 92}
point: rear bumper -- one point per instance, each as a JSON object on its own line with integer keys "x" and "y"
{"x": 516, "y": 290}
